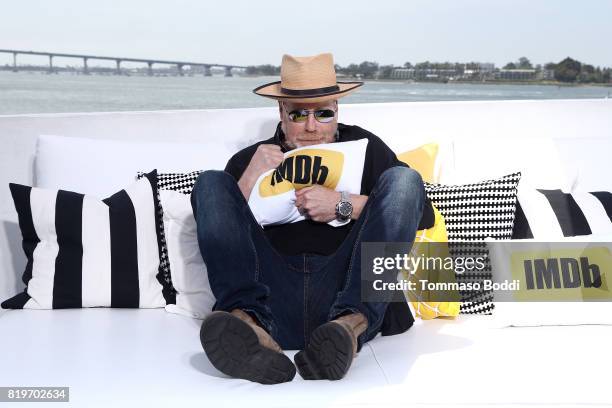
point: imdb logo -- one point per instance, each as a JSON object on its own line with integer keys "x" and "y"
{"x": 302, "y": 169}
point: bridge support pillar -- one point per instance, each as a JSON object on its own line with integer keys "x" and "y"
{"x": 228, "y": 71}
{"x": 51, "y": 70}
{"x": 179, "y": 68}
{"x": 118, "y": 71}
{"x": 14, "y": 62}
{"x": 150, "y": 72}
{"x": 85, "y": 67}
{"x": 207, "y": 70}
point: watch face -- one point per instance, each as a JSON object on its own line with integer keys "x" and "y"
{"x": 345, "y": 209}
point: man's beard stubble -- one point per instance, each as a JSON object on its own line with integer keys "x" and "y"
{"x": 304, "y": 139}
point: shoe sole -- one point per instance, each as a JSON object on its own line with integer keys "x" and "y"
{"x": 328, "y": 356}
{"x": 234, "y": 349}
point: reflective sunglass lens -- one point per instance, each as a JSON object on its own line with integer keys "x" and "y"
{"x": 324, "y": 115}
{"x": 298, "y": 116}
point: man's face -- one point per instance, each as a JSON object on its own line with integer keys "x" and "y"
{"x": 311, "y": 131}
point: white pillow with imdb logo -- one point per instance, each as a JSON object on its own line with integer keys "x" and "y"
{"x": 337, "y": 166}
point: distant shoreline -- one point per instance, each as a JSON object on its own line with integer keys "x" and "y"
{"x": 548, "y": 83}
{"x": 491, "y": 82}
{"x": 340, "y": 78}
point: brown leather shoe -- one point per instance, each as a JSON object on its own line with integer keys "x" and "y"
{"x": 237, "y": 346}
{"x": 332, "y": 348}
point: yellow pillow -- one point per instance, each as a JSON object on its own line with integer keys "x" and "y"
{"x": 424, "y": 308}
{"x": 423, "y": 160}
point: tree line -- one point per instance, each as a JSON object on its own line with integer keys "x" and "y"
{"x": 568, "y": 70}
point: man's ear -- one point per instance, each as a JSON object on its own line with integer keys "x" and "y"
{"x": 280, "y": 110}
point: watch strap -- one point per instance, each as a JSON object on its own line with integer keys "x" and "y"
{"x": 345, "y": 196}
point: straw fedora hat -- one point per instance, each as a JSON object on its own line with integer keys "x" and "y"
{"x": 307, "y": 79}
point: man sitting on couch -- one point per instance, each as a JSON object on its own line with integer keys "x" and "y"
{"x": 296, "y": 285}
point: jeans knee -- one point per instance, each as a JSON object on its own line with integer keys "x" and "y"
{"x": 212, "y": 185}
{"x": 210, "y": 180}
{"x": 403, "y": 182}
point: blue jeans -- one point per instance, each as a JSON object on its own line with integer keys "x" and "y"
{"x": 293, "y": 295}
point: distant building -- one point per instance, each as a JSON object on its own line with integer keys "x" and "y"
{"x": 486, "y": 67}
{"x": 478, "y": 71}
{"x": 435, "y": 73}
{"x": 516, "y": 74}
{"x": 468, "y": 73}
{"x": 546, "y": 74}
{"x": 403, "y": 73}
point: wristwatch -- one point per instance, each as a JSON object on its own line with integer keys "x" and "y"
{"x": 344, "y": 208}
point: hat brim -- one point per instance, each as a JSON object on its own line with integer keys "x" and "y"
{"x": 273, "y": 91}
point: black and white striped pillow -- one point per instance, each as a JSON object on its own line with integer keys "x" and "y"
{"x": 473, "y": 212}
{"x": 86, "y": 252}
{"x": 550, "y": 214}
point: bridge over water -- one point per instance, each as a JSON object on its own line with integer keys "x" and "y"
{"x": 118, "y": 60}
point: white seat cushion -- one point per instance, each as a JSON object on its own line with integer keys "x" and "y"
{"x": 470, "y": 361}
{"x": 121, "y": 357}
{"x": 149, "y": 358}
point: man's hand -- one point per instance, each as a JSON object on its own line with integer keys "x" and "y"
{"x": 266, "y": 157}
{"x": 317, "y": 203}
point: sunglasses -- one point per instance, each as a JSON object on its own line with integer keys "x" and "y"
{"x": 321, "y": 115}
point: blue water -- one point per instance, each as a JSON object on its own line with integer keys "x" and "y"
{"x": 23, "y": 92}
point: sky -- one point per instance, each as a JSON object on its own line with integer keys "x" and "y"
{"x": 243, "y": 32}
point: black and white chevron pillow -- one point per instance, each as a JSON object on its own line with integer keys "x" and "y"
{"x": 86, "y": 252}
{"x": 473, "y": 212}
{"x": 550, "y": 214}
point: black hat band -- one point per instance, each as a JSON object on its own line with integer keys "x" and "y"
{"x": 310, "y": 92}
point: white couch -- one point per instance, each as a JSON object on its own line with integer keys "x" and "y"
{"x": 152, "y": 358}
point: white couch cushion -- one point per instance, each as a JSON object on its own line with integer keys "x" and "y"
{"x": 589, "y": 159}
{"x": 124, "y": 358}
{"x": 468, "y": 362}
{"x": 481, "y": 158}
{"x": 127, "y": 358}
{"x": 69, "y": 163}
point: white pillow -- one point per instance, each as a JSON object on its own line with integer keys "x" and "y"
{"x": 489, "y": 157}
{"x": 589, "y": 159}
{"x": 338, "y": 166}
{"x": 194, "y": 298}
{"x": 68, "y": 162}
{"x": 563, "y": 306}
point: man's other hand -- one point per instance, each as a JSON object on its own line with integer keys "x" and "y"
{"x": 317, "y": 202}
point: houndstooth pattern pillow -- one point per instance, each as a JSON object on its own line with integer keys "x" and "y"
{"x": 473, "y": 212}
{"x": 183, "y": 183}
